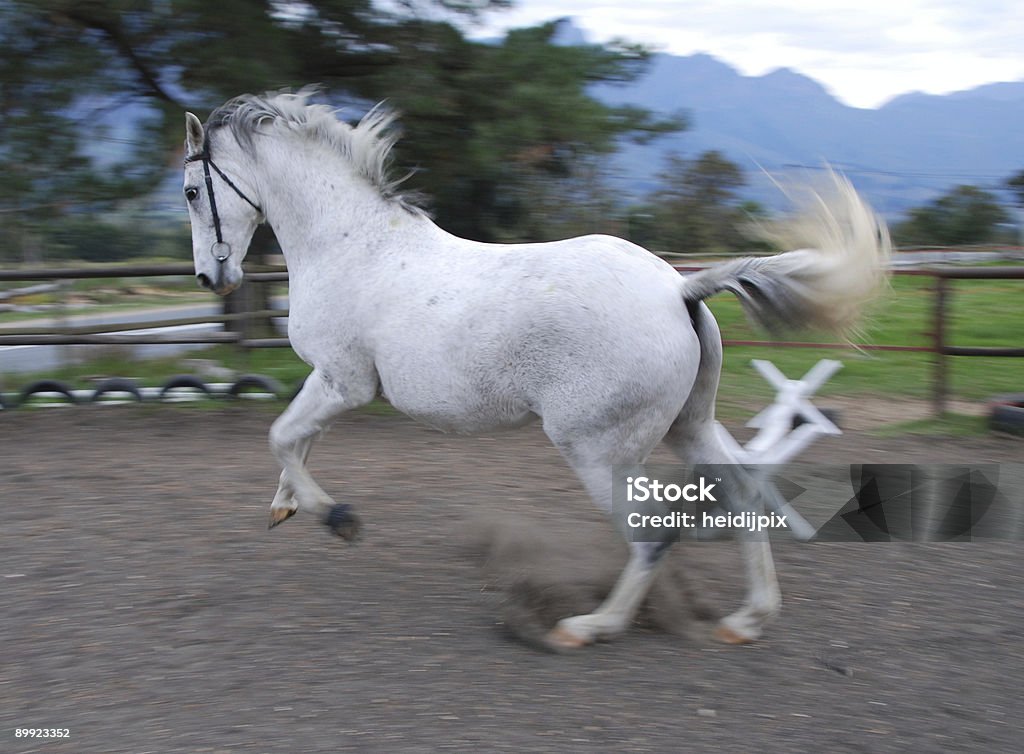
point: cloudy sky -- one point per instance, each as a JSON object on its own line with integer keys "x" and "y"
{"x": 864, "y": 51}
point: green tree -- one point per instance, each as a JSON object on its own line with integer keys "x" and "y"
{"x": 48, "y": 120}
{"x": 505, "y": 133}
{"x": 1016, "y": 184}
{"x": 964, "y": 215}
{"x": 698, "y": 209}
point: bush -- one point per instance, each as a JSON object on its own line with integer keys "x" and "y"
{"x": 96, "y": 240}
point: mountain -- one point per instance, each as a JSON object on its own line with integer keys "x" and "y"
{"x": 900, "y": 155}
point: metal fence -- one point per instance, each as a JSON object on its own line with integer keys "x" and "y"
{"x": 120, "y": 333}
{"x": 938, "y": 334}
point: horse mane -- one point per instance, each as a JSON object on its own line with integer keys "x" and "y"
{"x": 366, "y": 146}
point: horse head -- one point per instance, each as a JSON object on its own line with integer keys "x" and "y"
{"x": 223, "y": 221}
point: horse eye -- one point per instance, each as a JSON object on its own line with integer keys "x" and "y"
{"x": 191, "y": 193}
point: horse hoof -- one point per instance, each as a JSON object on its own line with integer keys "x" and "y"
{"x": 279, "y": 516}
{"x": 561, "y": 639}
{"x": 343, "y": 522}
{"x": 728, "y": 635}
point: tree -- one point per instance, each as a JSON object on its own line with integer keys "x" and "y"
{"x": 1016, "y": 184}
{"x": 698, "y": 209}
{"x": 47, "y": 126}
{"x": 964, "y": 215}
{"x": 504, "y": 132}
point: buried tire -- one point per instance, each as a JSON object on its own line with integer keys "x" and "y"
{"x": 259, "y": 382}
{"x": 116, "y": 385}
{"x": 1007, "y": 414}
{"x": 184, "y": 381}
{"x": 46, "y": 386}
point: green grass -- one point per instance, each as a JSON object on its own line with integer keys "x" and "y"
{"x": 981, "y": 313}
{"x": 280, "y": 363}
{"x": 948, "y": 425}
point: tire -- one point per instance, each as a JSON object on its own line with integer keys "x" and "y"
{"x": 1007, "y": 414}
{"x": 832, "y": 414}
{"x": 184, "y": 380}
{"x": 46, "y": 386}
{"x": 116, "y": 385}
{"x": 258, "y": 381}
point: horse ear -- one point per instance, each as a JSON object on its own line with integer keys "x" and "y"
{"x": 193, "y": 134}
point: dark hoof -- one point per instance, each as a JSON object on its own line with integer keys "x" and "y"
{"x": 343, "y": 522}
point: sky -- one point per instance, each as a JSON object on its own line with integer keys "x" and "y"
{"x": 864, "y": 51}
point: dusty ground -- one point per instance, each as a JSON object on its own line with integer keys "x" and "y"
{"x": 146, "y": 608}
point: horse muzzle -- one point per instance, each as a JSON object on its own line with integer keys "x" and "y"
{"x": 219, "y": 284}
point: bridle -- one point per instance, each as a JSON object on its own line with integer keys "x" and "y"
{"x": 220, "y": 250}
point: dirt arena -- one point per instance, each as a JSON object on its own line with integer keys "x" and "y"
{"x": 146, "y": 608}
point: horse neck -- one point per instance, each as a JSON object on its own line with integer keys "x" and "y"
{"x": 318, "y": 206}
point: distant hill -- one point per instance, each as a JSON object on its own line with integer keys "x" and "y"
{"x": 901, "y": 155}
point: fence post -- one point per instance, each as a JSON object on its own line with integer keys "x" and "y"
{"x": 940, "y": 384}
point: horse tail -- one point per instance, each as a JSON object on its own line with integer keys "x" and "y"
{"x": 841, "y": 264}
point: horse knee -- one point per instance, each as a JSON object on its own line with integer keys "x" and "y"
{"x": 284, "y": 438}
{"x": 279, "y": 441}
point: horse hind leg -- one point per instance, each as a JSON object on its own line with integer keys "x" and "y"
{"x": 616, "y": 612}
{"x": 700, "y": 445}
{"x": 693, "y": 439}
{"x": 291, "y": 439}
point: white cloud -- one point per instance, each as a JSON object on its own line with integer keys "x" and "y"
{"x": 864, "y": 51}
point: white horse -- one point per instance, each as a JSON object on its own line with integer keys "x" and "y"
{"x": 604, "y": 342}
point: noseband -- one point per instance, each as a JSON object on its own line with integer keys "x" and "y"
{"x": 220, "y": 250}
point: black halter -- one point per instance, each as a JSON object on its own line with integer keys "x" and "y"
{"x": 220, "y": 250}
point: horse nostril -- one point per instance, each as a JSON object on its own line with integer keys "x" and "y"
{"x": 204, "y": 281}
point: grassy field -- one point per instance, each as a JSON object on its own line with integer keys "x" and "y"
{"x": 982, "y": 313}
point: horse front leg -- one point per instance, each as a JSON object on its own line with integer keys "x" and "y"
{"x": 284, "y": 505}
{"x": 291, "y": 439}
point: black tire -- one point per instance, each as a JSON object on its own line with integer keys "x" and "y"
{"x": 184, "y": 380}
{"x": 116, "y": 385}
{"x": 258, "y": 381}
{"x": 46, "y": 386}
{"x": 1007, "y": 414}
{"x": 832, "y": 414}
